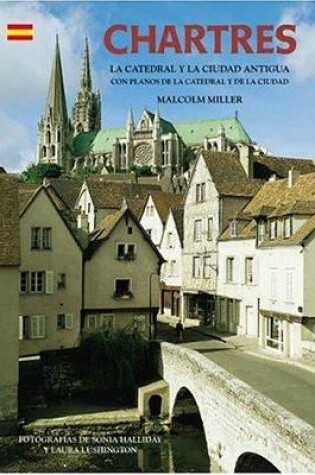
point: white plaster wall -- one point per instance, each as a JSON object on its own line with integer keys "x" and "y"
{"x": 193, "y": 211}
{"x": 274, "y": 263}
{"x": 248, "y": 294}
{"x": 236, "y": 418}
{"x": 153, "y": 222}
{"x": 173, "y": 253}
{"x": 84, "y": 201}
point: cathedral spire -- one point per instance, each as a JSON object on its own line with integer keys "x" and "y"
{"x": 86, "y": 81}
{"x": 56, "y": 107}
{"x": 130, "y": 119}
{"x": 86, "y": 112}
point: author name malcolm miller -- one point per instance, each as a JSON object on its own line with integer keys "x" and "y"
{"x": 192, "y": 99}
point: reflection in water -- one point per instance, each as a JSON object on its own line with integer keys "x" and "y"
{"x": 178, "y": 453}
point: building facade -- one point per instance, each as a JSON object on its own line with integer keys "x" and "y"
{"x": 117, "y": 294}
{"x": 9, "y": 278}
{"x": 51, "y": 276}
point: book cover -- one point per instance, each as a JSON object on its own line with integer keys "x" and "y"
{"x": 157, "y": 181}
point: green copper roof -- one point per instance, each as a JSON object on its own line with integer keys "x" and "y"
{"x": 192, "y": 133}
{"x": 195, "y": 132}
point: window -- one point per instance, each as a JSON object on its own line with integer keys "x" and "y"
{"x": 37, "y": 326}
{"x": 273, "y": 229}
{"x": 200, "y": 192}
{"x": 37, "y": 282}
{"x": 287, "y": 226}
{"x": 248, "y": 270}
{"x": 197, "y": 230}
{"x": 91, "y": 322}
{"x": 23, "y": 282}
{"x": 261, "y": 231}
{"x": 233, "y": 227}
{"x": 197, "y": 266}
{"x": 40, "y": 238}
{"x": 150, "y": 210}
{"x": 129, "y": 230}
{"x": 274, "y": 333}
{"x": 122, "y": 289}
{"x": 125, "y": 252}
{"x": 207, "y": 267}
{"x": 64, "y": 322}
{"x": 35, "y": 238}
{"x": 210, "y": 229}
{"x": 229, "y": 269}
{"x": 61, "y": 281}
{"x": 107, "y": 321}
{"x": 46, "y": 238}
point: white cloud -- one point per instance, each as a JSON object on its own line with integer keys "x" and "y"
{"x": 301, "y": 62}
{"x": 17, "y": 149}
{"x": 26, "y": 66}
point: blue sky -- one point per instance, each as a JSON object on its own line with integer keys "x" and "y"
{"x": 280, "y": 118}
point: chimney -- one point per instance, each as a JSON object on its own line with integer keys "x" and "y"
{"x": 292, "y": 177}
{"x": 246, "y": 159}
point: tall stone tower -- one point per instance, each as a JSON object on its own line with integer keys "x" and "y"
{"x": 54, "y": 128}
{"x": 86, "y": 112}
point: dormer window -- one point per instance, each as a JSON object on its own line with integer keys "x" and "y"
{"x": 200, "y": 192}
{"x": 233, "y": 227}
{"x": 287, "y": 227}
{"x": 261, "y": 231}
{"x": 273, "y": 229}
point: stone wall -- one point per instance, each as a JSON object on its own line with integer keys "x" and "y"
{"x": 8, "y": 408}
{"x": 308, "y": 352}
{"x": 236, "y": 418}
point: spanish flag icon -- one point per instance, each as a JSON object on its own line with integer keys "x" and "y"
{"x": 20, "y": 32}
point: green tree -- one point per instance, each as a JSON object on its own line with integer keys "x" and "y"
{"x": 143, "y": 170}
{"x": 36, "y": 173}
{"x": 86, "y": 171}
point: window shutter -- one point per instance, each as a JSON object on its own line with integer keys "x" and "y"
{"x": 69, "y": 321}
{"x": 38, "y": 329}
{"x": 21, "y": 327}
{"x": 49, "y": 282}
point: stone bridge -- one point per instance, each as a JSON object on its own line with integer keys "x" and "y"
{"x": 241, "y": 425}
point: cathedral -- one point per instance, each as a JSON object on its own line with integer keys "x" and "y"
{"x": 78, "y": 141}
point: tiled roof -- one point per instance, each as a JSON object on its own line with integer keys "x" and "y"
{"x": 9, "y": 221}
{"x": 265, "y": 166}
{"x": 246, "y": 232}
{"x": 229, "y": 176}
{"x": 164, "y": 201}
{"x": 277, "y": 195}
{"x": 192, "y": 133}
{"x": 107, "y": 226}
{"x": 136, "y": 204}
{"x": 110, "y": 195}
{"x": 297, "y": 238}
{"x": 67, "y": 188}
{"x": 26, "y": 192}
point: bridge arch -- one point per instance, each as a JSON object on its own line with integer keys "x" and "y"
{"x": 250, "y": 462}
{"x": 241, "y": 425}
